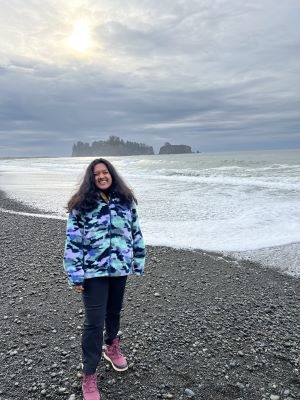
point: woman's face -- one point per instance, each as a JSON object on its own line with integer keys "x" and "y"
{"x": 103, "y": 179}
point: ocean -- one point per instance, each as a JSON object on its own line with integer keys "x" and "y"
{"x": 242, "y": 204}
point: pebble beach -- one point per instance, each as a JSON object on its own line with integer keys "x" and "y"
{"x": 196, "y": 325}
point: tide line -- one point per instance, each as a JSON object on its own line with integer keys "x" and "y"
{"x": 47, "y": 216}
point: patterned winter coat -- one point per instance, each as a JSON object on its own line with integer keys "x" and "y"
{"x": 106, "y": 241}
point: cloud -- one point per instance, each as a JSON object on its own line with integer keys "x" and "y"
{"x": 215, "y": 75}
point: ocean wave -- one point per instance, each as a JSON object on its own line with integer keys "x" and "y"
{"x": 290, "y": 183}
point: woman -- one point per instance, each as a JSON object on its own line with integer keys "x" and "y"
{"x": 104, "y": 245}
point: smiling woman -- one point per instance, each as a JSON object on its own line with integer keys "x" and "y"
{"x": 80, "y": 40}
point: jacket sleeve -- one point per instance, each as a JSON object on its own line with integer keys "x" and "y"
{"x": 73, "y": 256}
{"x": 139, "y": 251}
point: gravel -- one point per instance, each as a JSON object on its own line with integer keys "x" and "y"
{"x": 196, "y": 325}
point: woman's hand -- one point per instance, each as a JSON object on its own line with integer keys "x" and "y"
{"x": 79, "y": 288}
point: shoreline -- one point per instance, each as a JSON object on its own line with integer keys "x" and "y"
{"x": 196, "y": 322}
{"x": 285, "y": 255}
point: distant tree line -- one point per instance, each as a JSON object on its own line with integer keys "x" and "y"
{"x": 114, "y": 146}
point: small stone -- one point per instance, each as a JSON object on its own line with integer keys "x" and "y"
{"x": 189, "y": 393}
{"x": 274, "y": 397}
{"x": 240, "y": 385}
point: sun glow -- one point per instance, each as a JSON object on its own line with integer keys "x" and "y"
{"x": 80, "y": 40}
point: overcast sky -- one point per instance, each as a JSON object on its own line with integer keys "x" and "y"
{"x": 213, "y": 74}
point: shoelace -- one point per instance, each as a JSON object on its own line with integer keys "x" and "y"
{"x": 117, "y": 350}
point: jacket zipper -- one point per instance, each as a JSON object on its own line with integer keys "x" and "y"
{"x": 109, "y": 265}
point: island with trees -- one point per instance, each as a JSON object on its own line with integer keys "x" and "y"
{"x": 114, "y": 146}
{"x": 169, "y": 148}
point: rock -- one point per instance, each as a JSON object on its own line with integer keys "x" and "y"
{"x": 189, "y": 393}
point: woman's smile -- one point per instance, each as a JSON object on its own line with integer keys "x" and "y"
{"x": 103, "y": 179}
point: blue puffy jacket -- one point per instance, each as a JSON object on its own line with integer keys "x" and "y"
{"x": 106, "y": 241}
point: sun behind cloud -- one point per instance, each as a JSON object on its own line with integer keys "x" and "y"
{"x": 81, "y": 38}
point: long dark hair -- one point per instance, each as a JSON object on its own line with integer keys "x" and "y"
{"x": 86, "y": 197}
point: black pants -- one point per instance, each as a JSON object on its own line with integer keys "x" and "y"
{"x": 102, "y": 298}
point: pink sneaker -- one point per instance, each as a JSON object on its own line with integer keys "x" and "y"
{"x": 114, "y": 355}
{"x": 89, "y": 387}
